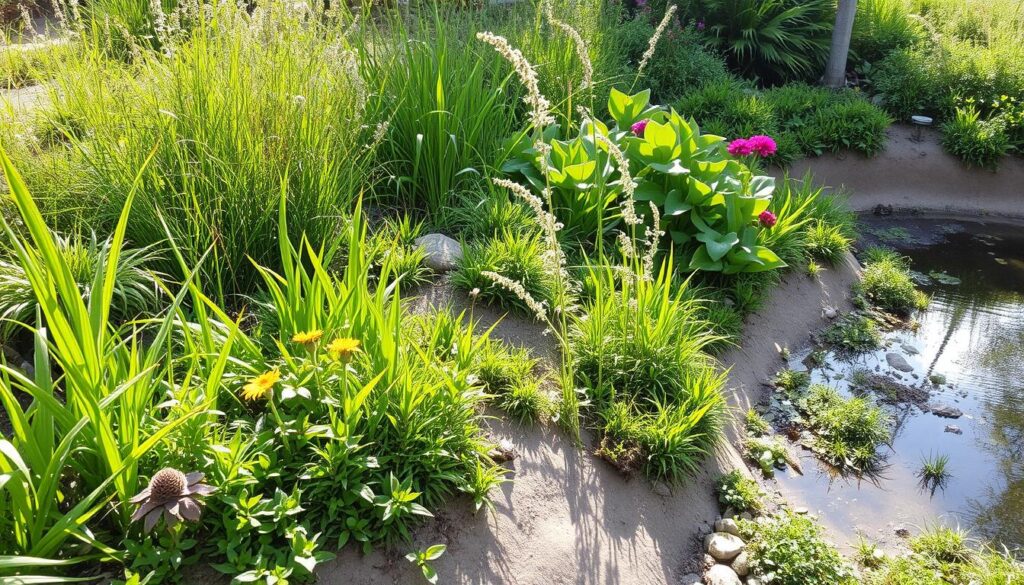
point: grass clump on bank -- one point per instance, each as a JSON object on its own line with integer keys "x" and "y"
{"x": 941, "y": 556}
{"x": 853, "y": 333}
{"x": 886, "y": 283}
{"x": 739, "y": 492}
{"x": 791, "y": 550}
{"x": 848, "y": 431}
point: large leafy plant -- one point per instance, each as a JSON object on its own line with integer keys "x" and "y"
{"x": 710, "y": 203}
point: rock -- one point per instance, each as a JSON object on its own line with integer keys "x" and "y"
{"x": 753, "y": 581}
{"x": 722, "y": 575}
{"x": 902, "y": 533}
{"x": 937, "y": 379}
{"x": 741, "y": 564}
{"x": 730, "y": 512}
{"x": 830, "y": 313}
{"x": 898, "y": 362}
{"x": 746, "y": 516}
{"x": 945, "y": 410}
{"x": 800, "y": 510}
{"x": 909, "y": 349}
{"x": 442, "y": 253}
{"x": 723, "y": 546}
{"x": 692, "y": 579}
{"x": 954, "y": 429}
{"x": 727, "y": 525}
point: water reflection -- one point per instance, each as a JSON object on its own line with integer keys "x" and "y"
{"x": 972, "y": 337}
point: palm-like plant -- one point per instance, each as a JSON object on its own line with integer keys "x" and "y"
{"x": 774, "y": 40}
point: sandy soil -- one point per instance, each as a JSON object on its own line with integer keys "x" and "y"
{"x": 567, "y": 517}
{"x": 920, "y": 176}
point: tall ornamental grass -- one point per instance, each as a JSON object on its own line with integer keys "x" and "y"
{"x": 246, "y": 99}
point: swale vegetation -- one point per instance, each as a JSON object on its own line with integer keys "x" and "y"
{"x": 789, "y": 549}
{"x": 886, "y": 283}
{"x": 209, "y": 246}
{"x": 848, "y": 431}
{"x": 942, "y": 556}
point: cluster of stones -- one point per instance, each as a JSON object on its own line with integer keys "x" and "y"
{"x": 727, "y": 561}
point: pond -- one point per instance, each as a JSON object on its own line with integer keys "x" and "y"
{"x": 968, "y": 354}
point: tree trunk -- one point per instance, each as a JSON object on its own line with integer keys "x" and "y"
{"x": 835, "y": 71}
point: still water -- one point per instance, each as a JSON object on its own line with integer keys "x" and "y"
{"x": 971, "y": 341}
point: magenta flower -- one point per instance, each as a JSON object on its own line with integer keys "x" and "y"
{"x": 639, "y": 127}
{"x": 763, "y": 145}
{"x": 740, "y": 147}
{"x": 700, "y": 25}
{"x": 641, "y": 3}
{"x": 767, "y": 219}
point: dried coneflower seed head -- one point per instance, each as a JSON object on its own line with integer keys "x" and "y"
{"x": 166, "y": 484}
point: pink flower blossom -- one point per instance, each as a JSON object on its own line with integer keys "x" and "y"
{"x": 740, "y": 147}
{"x": 639, "y": 127}
{"x": 763, "y": 145}
{"x": 700, "y": 25}
{"x": 767, "y": 218}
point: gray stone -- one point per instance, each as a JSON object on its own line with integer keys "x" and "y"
{"x": 746, "y": 516}
{"x": 830, "y": 313}
{"x": 954, "y": 429}
{"x": 741, "y": 564}
{"x": 727, "y": 525}
{"x": 722, "y": 575}
{"x": 800, "y": 510}
{"x": 898, "y": 362}
{"x": 692, "y": 579}
{"x": 945, "y": 410}
{"x": 753, "y": 581}
{"x": 723, "y": 546}
{"x": 442, "y": 253}
{"x": 909, "y": 349}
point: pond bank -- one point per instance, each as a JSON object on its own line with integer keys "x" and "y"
{"x": 914, "y": 176}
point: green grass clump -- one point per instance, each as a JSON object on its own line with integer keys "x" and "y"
{"x": 827, "y": 242}
{"x": 508, "y": 374}
{"x": 480, "y": 214}
{"x": 978, "y": 142}
{"x": 526, "y": 402}
{"x": 848, "y": 431}
{"x": 739, "y": 492}
{"x": 887, "y": 284}
{"x": 792, "y": 380}
{"x": 854, "y": 334}
{"x": 948, "y": 555}
{"x": 933, "y": 472}
{"x": 755, "y": 424}
{"x": 791, "y": 550}
{"x": 515, "y": 256}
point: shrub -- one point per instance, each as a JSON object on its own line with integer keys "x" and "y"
{"x": 775, "y": 40}
{"x": 907, "y": 83}
{"x": 980, "y": 143}
{"x": 790, "y": 550}
{"x": 515, "y": 256}
{"x": 792, "y": 380}
{"x": 848, "y": 430}
{"x": 680, "y": 62}
{"x": 887, "y": 284}
{"x": 739, "y": 492}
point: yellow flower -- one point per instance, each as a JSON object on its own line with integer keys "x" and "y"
{"x": 259, "y": 386}
{"x": 343, "y": 348}
{"x": 308, "y": 338}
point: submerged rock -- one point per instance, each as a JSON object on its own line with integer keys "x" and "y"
{"x": 898, "y": 362}
{"x": 909, "y": 349}
{"x": 945, "y": 410}
{"x": 954, "y": 429}
{"x": 894, "y": 392}
{"x": 722, "y": 575}
{"x": 442, "y": 253}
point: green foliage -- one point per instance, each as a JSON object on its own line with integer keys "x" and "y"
{"x": 887, "y": 284}
{"x": 507, "y": 373}
{"x": 933, "y": 472}
{"x": 768, "y": 452}
{"x": 421, "y": 558}
{"x": 486, "y": 214}
{"x": 739, "y": 492}
{"x": 980, "y": 143}
{"x": 848, "y": 431}
{"x": 135, "y": 293}
{"x": 947, "y": 555}
{"x": 774, "y": 40}
{"x": 853, "y": 333}
{"x": 792, "y": 380}
{"x": 27, "y": 64}
{"x": 516, "y": 256}
{"x": 680, "y": 61}
{"x": 827, "y": 242}
{"x": 755, "y": 423}
{"x": 790, "y": 550}
{"x": 881, "y": 27}
{"x": 224, "y": 117}
{"x": 639, "y": 353}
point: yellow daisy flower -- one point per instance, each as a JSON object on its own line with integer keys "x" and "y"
{"x": 343, "y": 348}
{"x": 308, "y": 338}
{"x": 259, "y": 386}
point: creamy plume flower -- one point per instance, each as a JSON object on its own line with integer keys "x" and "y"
{"x": 628, "y": 185}
{"x": 517, "y": 288}
{"x": 653, "y": 43}
{"x": 540, "y": 114}
{"x": 653, "y": 235}
{"x": 582, "y": 52}
{"x": 553, "y": 257}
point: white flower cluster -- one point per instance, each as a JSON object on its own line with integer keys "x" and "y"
{"x": 653, "y": 43}
{"x": 582, "y": 52}
{"x": 517, "y": 288}
{"x": 628, "y": 185}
